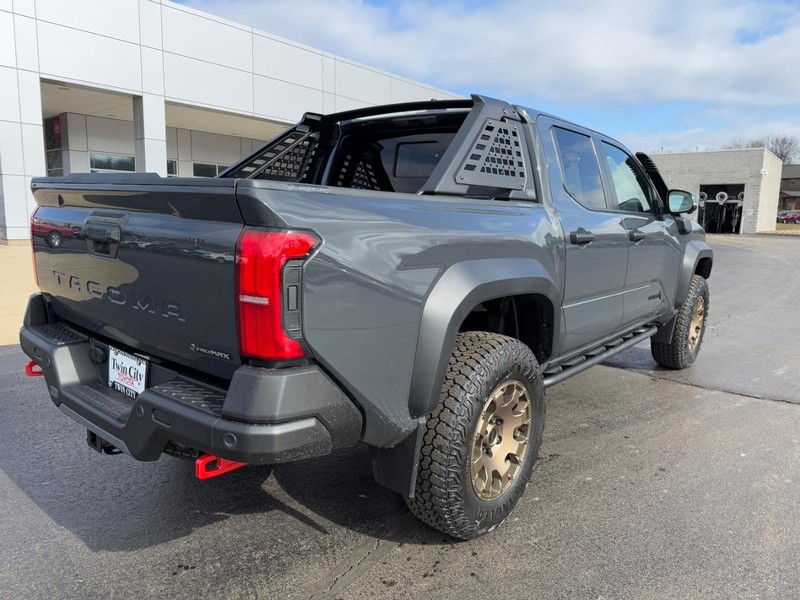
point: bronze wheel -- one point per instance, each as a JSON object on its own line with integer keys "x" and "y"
{"x": 501, "y": 440}
{"x": 481, "y": 442}
{"x": 696, "y": 326}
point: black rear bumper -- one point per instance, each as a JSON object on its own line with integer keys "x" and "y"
{"x": 265, "y": 416}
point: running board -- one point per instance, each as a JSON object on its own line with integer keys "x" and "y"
{"x": 580, "y": 363}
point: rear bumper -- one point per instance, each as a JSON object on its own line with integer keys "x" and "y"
{"x": 266, "y": 416}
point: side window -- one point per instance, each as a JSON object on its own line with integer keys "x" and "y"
{"x": 629, "y": 181}
{"x": 580, "y": 169}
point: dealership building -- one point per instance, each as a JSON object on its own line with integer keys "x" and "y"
{"x": 737, "y": 190}
{"x": 149, "y": 85}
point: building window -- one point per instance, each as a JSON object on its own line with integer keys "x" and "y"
{"x": 207, "y": 169}
{"x": 55, "y": 165}
{"x": 172, "y": 167}
{"x": 104, "y": 162}
{"x": 52, "y": 144}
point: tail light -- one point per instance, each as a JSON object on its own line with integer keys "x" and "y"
{"x": 260, "y": 259}
{"x": 34, "y": 220}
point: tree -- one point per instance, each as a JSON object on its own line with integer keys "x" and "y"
{"x": 785, "y": 147}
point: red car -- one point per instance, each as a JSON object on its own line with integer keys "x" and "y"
{"x": 53, "y": 234}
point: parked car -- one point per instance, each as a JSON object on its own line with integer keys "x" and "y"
{"x": 789, "y": 216}
{"x": 412, "y": 277}
{"x": 53, "y": 233}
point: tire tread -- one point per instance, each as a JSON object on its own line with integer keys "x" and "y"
{"x": 676, "y": 354}
{"x": 438, "y": 499}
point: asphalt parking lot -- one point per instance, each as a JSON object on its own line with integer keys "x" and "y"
{"x": 652, "y": 484}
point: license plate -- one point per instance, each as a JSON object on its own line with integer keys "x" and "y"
{"x": 126, "y": 373}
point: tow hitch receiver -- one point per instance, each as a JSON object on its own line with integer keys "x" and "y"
{"x": 209, "y": 466}
{"x": 33, "y": 370}
{"x": 99, "y": 444}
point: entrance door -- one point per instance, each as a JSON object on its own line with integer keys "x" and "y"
{"x": 721, "y": 208}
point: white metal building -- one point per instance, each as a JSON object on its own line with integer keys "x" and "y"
{"x": 150, "y": 85}
{"x": 737, "y": 189}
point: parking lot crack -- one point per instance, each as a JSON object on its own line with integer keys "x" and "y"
{"x": 360, "y": 561}
{"x": 654, "y": 375}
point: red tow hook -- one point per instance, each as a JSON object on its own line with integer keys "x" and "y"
{"x": 209, "y": 466}
{"x": 32, "y": 369}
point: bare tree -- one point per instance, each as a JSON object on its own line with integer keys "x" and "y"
{"x": 785, "y": 147}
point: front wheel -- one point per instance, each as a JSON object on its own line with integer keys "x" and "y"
{"x": 482, "y": 440}
{"x": 690, "y": 327}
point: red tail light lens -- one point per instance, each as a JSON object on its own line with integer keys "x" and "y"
{"x": 260, "y": 258}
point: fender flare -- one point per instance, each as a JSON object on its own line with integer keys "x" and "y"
{"x": 457, "y": 292}
{"x": 696, "y": 250}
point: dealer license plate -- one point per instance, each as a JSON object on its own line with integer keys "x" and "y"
{"x": 126, "y": 373}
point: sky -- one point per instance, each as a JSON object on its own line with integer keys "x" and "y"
{"x": 658, "y": 75}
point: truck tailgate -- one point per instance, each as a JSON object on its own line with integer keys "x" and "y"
{"x": 147, "y": 263}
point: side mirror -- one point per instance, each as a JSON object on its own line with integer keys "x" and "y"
{"x": 681, "y": 202}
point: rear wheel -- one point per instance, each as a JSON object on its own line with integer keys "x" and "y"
{"x": 54, "y": 239}
{"x": 482, "y": 440}
{"x": 690, "y": 326}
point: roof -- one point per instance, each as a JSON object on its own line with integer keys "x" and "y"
{"x": 791, "y": 172}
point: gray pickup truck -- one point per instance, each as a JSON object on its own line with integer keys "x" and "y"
{"x": 411, "y": 276}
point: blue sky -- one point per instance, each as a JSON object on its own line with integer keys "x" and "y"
{"x": 660, "y": 74}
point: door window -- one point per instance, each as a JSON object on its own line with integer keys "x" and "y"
{"x": 629, "y": 181}
{"x": 580, "y": 169}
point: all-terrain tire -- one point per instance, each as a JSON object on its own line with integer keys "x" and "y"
{"x": 679, "y": 353}
{"x": 445, "y": 497}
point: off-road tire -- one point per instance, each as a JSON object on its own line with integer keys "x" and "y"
{"x": 444, "y": 495}
{"x": 677, "y": 354}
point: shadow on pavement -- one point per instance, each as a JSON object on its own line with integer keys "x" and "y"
{"x": 114, "y": 503}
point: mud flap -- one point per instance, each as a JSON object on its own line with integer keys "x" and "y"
{"x": 396, "y": 467}
{"x": 664, "y": 333}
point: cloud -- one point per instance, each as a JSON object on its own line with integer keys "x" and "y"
{"x": 572, "y": 54}
{"x": 702, "y": 138}
{"x": 620, "y": 50}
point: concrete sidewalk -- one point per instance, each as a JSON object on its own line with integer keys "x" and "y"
{"x": 16, "y": 274}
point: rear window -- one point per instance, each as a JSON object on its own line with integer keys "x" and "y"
{"x": 417, "y": 159}
{"x": 401, "y": 163}
{"x": 392, "y": 155}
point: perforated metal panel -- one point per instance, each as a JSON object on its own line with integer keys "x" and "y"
{"x": 287, "y": 159}
{"x": 359, "y": 175}
{"x": 364, "y": 177}
{"x": 497, "y": 158}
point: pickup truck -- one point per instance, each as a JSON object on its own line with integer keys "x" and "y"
{"x": 411, "y": 277}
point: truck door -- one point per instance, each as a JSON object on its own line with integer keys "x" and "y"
{"x": 596, "y": 238}
{"x": 654, "y": 254}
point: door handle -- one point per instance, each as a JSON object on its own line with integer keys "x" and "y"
{"x": 581, "y": 237}
{"x": 636, "y": 235}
